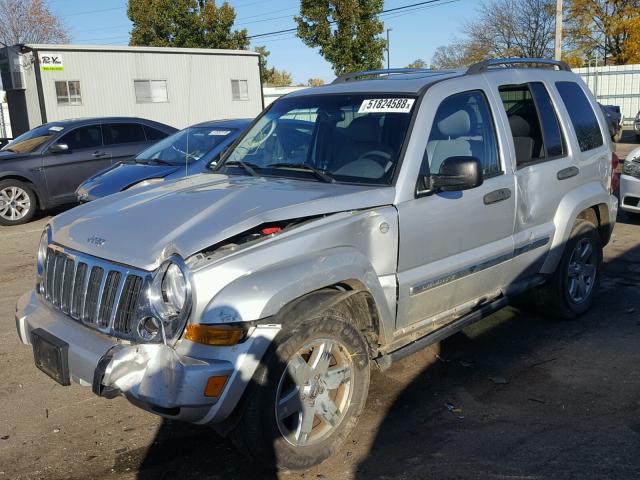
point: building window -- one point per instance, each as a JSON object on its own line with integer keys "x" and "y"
{"x": 68, "y": 92}
{"x": 151, "y": 91}
{"x": 239, "y": 90}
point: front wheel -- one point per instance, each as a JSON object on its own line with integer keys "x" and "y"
{"x": 17, "y": 203}
{"x": 307, "y": 395}
{"x": 570, "y": 291}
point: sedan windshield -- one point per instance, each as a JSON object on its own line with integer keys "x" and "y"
{"x": 30, "y": 141}
{"x": 329, "y": 138}
{"x": 186, "y": 146}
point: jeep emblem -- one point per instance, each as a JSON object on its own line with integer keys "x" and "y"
{"x": 96, "y": 241}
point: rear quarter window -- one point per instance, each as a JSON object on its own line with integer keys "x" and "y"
{"x": 583, "y": 118}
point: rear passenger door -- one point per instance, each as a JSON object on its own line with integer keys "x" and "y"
{"x": 123, "y": 140}
{"x": 455, "y": 246}
{"x": 547, "y": 166}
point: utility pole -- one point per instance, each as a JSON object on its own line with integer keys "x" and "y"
{"x": 388, "y": 49}
{"x": 558, "y": 55}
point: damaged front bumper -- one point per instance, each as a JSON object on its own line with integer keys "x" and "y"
{"x": 169, "y": 381}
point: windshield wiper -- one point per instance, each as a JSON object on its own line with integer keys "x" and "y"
{"x": 157, "y": 161}
{"x": 249, "y": 167}
{"x": 325, "y": 177}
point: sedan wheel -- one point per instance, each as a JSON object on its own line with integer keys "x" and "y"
{"x": 17, "y": 203}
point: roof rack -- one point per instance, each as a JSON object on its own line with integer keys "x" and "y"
{"x": 487, "y": 65}
{"x": 383, "y": 72}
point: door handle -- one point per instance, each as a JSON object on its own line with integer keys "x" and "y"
{"x": 568, "y": 173}
{"x": 98, "y": 154}
{"x": 497, "y": 196}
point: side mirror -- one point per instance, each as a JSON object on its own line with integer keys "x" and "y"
{"x": 59, "y": 148}
{"x": 456, "y": 174}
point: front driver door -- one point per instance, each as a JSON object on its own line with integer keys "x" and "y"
{"x": 65, "y": 171}
{"x": 455, "y": 246}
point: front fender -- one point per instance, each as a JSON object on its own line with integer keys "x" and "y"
{"x": 263, "y": 293}
{"x": 576, "y": 201}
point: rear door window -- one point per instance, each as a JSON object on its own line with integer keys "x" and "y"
{"x": 583, "y": 118}
{"x": 83, "y": 137}
{"x": 551, "y": 133}
{"x": 117, "y": 133}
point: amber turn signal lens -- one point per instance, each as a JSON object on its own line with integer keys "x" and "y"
{"x": 215, "y": 385}
{"x": 220, "y": 335}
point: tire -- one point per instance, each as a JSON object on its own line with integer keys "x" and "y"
{"x": 571, "y": 289}
{"x": 18, "y": 202}
{"x": 270, "y": 435}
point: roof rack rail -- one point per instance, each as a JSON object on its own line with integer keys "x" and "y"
{"x": 486, "y": 65}
{"x": 382, "y": 72}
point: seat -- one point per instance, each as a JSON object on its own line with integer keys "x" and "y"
{"x": 362, "y": 153}
{"x": 448, "y": 143}
{"x": 522, "y": 140}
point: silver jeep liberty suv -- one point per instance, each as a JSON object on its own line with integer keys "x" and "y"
{"x": 350, "y": 226}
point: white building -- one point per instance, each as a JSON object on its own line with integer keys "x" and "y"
{"x": 176, "y": 86}
{"x": 271, "y": 94}
{"x": 615, "y": 85}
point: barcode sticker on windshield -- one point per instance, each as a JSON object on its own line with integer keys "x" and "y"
{"x": 222, "y": 133}
{"x": 384, "y": 105}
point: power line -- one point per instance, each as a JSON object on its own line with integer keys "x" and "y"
{"x": 404, "y": 7}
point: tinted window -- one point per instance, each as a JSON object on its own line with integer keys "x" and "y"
{"x": 83, "y": 137}
{"x": 153, "y": 133}
{"x": 463, "y": 127}
{"x": 524, "y": 123}
{"x": 582, "y": 116}
{"x": 553, "y": 139}
{"x": 115, "y": 133}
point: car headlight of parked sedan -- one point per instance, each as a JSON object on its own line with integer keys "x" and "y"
{"x": 145, "y": 183}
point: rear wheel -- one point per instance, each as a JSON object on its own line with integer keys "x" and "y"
{"x": 570, "y": 291}
{"x": 307, "y": 394}
{"x": 17, "y": 202}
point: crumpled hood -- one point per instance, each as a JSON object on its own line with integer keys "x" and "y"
{"x": 141, "y": 227}
{"x": 120, "y": 176}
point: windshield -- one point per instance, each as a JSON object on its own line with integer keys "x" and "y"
{"x": 340, "y": 138}
{"x": 185, "y": 146}
{"x": 30, "y": 141}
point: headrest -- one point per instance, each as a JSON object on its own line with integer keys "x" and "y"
{"x": 457, "y": 124}
{"x": 519, "y": 126}
{"x": 365, "y": 128}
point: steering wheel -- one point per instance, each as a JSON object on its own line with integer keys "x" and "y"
{"x": 262, "y": 136}
{"x": 378, "y": 154}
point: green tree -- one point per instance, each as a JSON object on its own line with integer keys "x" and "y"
{"x": 272, "y": 76}
{"x": 346, "y": 32}
{"x": 315, "y": 82}
{"x": 185, "y": 23}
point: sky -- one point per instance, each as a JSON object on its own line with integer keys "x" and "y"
{"x": 416, "y": 32}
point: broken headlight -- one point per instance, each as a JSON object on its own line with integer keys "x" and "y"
{"x": 170, "y": 298}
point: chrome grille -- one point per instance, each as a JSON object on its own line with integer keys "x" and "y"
{"x": 99, "y": 294}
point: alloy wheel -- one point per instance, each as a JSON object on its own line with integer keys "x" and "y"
{"x": 581, "y": 274}
{"x": 14, "y": 203}
{"x": 314, "y": 392}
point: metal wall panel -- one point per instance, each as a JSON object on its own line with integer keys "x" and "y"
{"x": 198, "y": 85}
{"x": 615, "y": 85}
